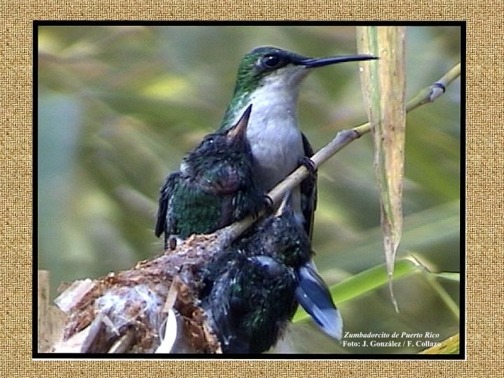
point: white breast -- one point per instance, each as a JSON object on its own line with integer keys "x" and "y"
{"x": 274, "y": 135}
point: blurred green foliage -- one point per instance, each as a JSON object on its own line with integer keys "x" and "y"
{"x": 119, "y": 106}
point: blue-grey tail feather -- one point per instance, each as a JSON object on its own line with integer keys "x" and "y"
{"x": 314, "y": 296}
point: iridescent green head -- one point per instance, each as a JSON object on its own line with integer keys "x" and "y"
{"x": 274, "y": 69}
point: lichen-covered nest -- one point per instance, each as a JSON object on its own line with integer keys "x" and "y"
{"x": 127, "y": 312}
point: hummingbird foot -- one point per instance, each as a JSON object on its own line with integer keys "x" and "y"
{"x": 309, "y": 164}
{"x": 268, "y": 204}
{"x": 171, "y": 242}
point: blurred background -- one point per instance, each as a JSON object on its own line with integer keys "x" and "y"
{"x": 119, "y": 106}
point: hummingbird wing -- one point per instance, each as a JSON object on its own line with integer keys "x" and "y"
{"x": 249, "y": 300}
{"x": 164, "y": 201}
{"x": 222, "y": 301}
{"x": 308, "y": 190}
{"x": 314, "y": 296}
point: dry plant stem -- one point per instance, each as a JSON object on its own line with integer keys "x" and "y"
{"x": 424, "y": 96}
{"x": 384, "y": 86}
{"x": 342, "y": 139}
{"x": 435, "y": 90}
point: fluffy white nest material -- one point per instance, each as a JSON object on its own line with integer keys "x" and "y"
{"x": 127, "y": 312}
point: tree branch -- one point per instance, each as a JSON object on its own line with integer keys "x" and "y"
{"x": 342, "y": 139}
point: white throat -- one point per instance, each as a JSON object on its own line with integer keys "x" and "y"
{"x": 273, "y": 132}
{"x": 274, "y": 135}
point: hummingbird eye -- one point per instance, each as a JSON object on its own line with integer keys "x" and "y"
{"x": 272, "y": 61}
{"x": 209, "y": 140}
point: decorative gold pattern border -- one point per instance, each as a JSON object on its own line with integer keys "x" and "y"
{"x": 485, "y": 185}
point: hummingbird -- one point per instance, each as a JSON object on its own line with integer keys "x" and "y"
{"x": 252, "y": 288}
{"x": 214, "y": 186}
{"x": 270, "y": 78}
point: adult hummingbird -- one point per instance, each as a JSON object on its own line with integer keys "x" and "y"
{"x": 214, "y": 186}
{"x": 252, "y": 288}
{"x": 270, "y": 78}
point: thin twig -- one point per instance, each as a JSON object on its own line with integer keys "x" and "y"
{"x": 342, "y": 139}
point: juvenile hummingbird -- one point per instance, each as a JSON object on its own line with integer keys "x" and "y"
{"x": 214, "y": 186}
{"x": 270, "y": 78}
{"x": 252, "y": 288}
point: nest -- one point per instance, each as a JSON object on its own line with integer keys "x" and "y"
{"x": 151, "y": 308}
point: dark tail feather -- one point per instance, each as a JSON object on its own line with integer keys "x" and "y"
{"x": 314, "y": 296}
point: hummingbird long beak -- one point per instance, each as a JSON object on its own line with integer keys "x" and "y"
{"x": 240, "y": 129}
{"x": 320, "y": 62}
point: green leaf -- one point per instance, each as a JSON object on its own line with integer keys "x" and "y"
{"x": 449, "y": 346}
{"x": 452, "y": 276}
